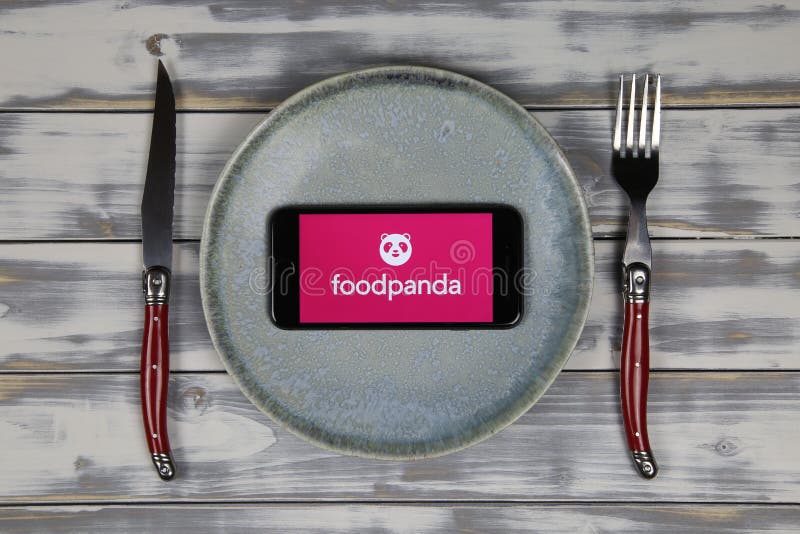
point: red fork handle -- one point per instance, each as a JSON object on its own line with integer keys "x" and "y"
{"x": 634, "y": 378}
{"x": 154, "y": 379}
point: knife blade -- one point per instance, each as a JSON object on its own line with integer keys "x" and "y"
{"x": 157, "y": 214}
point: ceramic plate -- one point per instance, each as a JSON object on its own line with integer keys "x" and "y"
{"x": 396, "y": 135}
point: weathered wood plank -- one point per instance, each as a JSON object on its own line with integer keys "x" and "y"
{"x": 80, "y": 176}
{"x": 719, "y": 437}
{"x": 248, "y": 54}
{"x": 374, "y": 518}
{"x": 717, "y": 304}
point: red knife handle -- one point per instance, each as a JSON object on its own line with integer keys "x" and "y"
{"x": 154, "y": 372}
{"x": 635, "y": 369}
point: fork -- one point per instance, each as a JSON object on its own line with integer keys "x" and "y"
{"x": 636, "y": 171}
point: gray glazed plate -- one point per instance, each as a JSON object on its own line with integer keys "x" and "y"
{"x": 398, "y": 135}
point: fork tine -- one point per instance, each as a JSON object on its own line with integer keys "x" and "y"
{"x": 631, "y": 119}
{"x": 656, "y": 136}
{"x": 643, "y": 121}
{"x": 617, "y": 145}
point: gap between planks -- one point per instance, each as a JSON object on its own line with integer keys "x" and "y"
{"x": 529, "y": 107}
{"x": 464, "y": 503}
{"x": 184, "y": 372}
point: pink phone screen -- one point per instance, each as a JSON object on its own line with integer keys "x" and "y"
{"x": 395, "y": 268}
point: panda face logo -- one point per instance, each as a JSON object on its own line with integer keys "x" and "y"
{"x": 395, "y": 249}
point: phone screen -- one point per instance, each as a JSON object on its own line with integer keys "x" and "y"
{"x": 395, "y": 268}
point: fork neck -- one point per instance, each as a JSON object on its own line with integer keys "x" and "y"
{"x": 637, "y": 245}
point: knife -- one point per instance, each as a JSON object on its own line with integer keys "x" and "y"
{"x": 157, "y": 210}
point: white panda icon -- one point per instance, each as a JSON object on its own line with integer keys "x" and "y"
{"x": 395, "y": 249}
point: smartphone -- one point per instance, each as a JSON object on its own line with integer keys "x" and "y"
{"x": 373, "y": 266}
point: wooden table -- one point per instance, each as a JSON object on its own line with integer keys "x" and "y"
{"x": 76, "y": 91}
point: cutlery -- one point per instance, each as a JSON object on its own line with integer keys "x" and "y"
{"x": 636, "y": 171}
{"x": 157, "y": 211}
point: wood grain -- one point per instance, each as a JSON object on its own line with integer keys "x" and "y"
{"x": 724, "y": 173}
{"x": 719, "y": 304}
{"x": 727, "y": 437}
{"x": 374, "y": 518}
{"x": 248, "y": 54}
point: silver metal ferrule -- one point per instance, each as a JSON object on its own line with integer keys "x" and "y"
{"x": 155, "y": 284}
{"x": 164, "y": 464}
{"x": 645, "y": 463}
{"x": 636, "y": 283}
